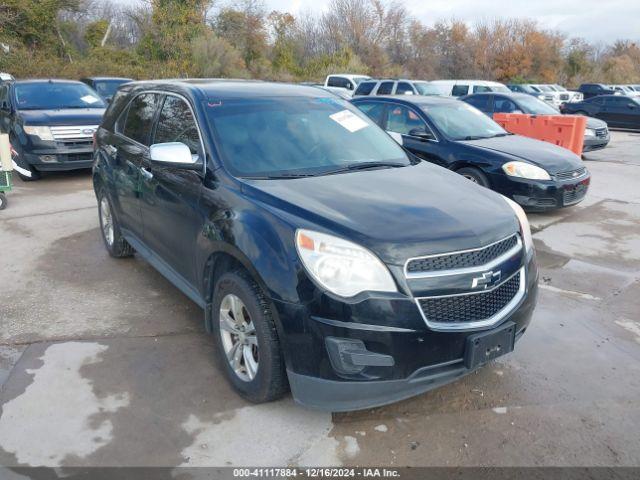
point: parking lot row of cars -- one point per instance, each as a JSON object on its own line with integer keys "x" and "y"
{"x": 327, "y": 257}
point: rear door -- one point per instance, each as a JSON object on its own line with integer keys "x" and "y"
{"x": 127, "y": 148}
{"x": 170, "y": 195}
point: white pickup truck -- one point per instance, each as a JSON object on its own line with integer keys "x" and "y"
{"x": 344, "y": 83}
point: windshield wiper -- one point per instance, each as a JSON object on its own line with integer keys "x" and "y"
{"x": 364, "y": 166}
{"x": 475, "y": 137}
{"x": 504, "y": 134}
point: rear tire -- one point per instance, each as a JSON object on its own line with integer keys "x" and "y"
{"x": 475, "y": 175}
{"x": 114, "y": 242}
{"x": 3, "y": 201}
{"x": 248, "y": 349}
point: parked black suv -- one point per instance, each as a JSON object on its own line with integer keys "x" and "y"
{"x": 325, "y": 257}
{"x": 50, "y": 124}
{"x": 589, "y": 90}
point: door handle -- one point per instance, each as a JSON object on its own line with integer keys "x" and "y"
{"x": 146, "y": 173}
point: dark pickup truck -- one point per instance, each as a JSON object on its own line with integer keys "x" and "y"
{"x": 50, "y": 124}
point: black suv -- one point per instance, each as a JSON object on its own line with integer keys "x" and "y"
{"x": 50, "y": 124}
{"x": 589, "y": 90}
{"x": 324, "y": 256}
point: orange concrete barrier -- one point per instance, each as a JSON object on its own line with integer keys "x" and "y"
{"x": 563, "y": 130}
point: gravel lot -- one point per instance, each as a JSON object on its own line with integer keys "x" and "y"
{"x": 103, "y": 362}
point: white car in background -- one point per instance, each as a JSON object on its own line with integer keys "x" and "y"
{"x": 460, "y": 88}
{"x": 566, "y": 96}
{"x": 342, "y": 83}
{"x": 627, "y": 90}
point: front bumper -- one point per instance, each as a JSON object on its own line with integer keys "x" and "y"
{"x": 389, "y": 327}
{"x": 595, "y": 143}
{"x": 55, "y": 155}
{"x": 535, "y": 195}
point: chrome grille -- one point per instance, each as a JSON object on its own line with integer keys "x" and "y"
{"x": 564, "y": 96}
{"x": 601, "y": 133}
{"x": 73, "y": 132}
{"x": 465, "y": 259}
{"x": 571, "y": 174}
{"x": 472, "y": 307}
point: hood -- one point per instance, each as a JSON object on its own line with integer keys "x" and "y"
{"x": 71, "y": 116}
{"x": 552, "y": 158}
{"x": 397, "y": 213}
{"x": 595, "y": 123}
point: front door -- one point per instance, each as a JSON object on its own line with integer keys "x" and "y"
{"x": 127, "y": 148}
{"x": 170, "y": 195}
{"x": 404, "y": 121}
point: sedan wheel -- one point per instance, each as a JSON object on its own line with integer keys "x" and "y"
{"x": 107, "y": 221}
{"x": 239, "y": 338}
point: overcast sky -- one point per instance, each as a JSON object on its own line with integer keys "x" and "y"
{"x": 595, "y": 20}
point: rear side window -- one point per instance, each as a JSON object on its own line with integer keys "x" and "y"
{"x": 481, "y": 102}
{"x": 385, "y": 88}
{"x": 403, "y": 88}
{"x": 503, "y": 105}
{"x": 365, "y": 88}
{"x": 176, "y": 124}
{"x": 140, "y": 118}
{"x": 339, "y": 82}
{"x": 459, "y": 90}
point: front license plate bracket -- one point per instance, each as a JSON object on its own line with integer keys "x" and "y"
{"x": 485, "y": 346}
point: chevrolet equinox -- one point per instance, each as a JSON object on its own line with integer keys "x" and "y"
{"x": 327, "y": 259}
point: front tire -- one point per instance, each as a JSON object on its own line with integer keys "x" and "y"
{"x": 248, "y": 349}
{"x": 114, "y": 242}
{"x": 474, "y": 175}
{"x": 3, "y": 201}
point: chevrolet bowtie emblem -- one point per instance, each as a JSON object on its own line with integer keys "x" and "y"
{"x": 486, "y": 280}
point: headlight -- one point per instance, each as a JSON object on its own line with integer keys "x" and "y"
{"x": 541, "y": 97}
{"x": 43, "y": 132}
{"x": 589, "y": 132}
{"x": 525, "y": 229}
{"x": 525, "y": 170}
{"x": 340, "y": 266}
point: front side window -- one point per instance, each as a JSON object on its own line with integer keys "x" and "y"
{"x": 140, "y": 118}
{"x": 47, "y": 95}
{"x": 481, "y": 102}
{"x": 459, "y": 90}
{"x": 176, "y": 124}
{"x": 385, "y": 88}
{"x": 373, "y": 110}
{"x": 402, "y": 120}
{"x": 290, "y": 136}
{"x": 340, "y": 82}
{"x": 460, "y": 121}
{"x": 403, "y": 88}
{"x": 480, "y": 89}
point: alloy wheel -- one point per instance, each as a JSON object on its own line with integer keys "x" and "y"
{"x": 239, "y": 338}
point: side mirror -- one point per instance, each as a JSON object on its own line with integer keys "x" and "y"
{"x": 174, "y": 154}
{"x": 349, "y": 86}
{"x": 421, "y": 133}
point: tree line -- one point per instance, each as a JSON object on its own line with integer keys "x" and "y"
{"x": 242, "y": 39}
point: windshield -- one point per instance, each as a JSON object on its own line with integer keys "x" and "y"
{"x": 358, "y": 80}
{"x": 107, "y": 88}
{"x": 425, "y": 88}
{"x": 499, "y": 88}
{"x": 56, "y": 96}
{"x": 298, "y": 136}
{"x": 461, "y": 121}
{"x": 533, "y": 106}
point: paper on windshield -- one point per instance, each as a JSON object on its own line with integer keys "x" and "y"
{"x": 89, "y": 99}
{"x": 349, "y": 120}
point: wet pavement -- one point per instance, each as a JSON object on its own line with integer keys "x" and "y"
{"x": 103, "y": 362}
